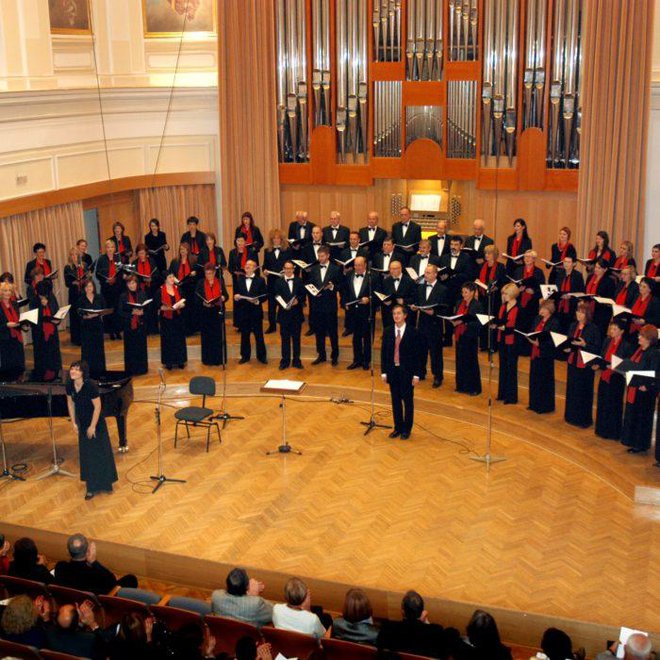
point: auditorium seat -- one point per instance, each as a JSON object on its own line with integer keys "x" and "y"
{"x": 290, "y": 644}
{"x": 67, "y": 595}
{"x": 411, "y": 656}
{"x": 56, "y": 655}
{"x": 115, "y": 607}
{"x": 173, "y": 618}
{"x": 14, "y": 586}
{"x": 139, "y": 595}
{"x": 12, "y": 650}
{"x": 202, "y": 607}
{"x": 228, "y": 631}
{"x": 339, "y": 649}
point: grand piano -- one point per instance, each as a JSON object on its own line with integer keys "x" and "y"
{"x": 29, "y": 399}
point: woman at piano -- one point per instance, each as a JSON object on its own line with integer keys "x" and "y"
{"x": 210, "y": 298}
{"x": 184, "y": 270}
{"x": 91, "y": 328}
{"x": 170, "y": 302}
{"x": 12, "y": 354}
{"x": 75, "y": 275}
{"x": 45, "y": 338}
{"x": 97, "y": 464}
{"x": 135, "y": 328}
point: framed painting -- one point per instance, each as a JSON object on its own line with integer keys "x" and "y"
{"x": 69, "y": 16}
{"x": 168, "y": 18}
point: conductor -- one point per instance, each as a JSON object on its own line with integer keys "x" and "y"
{"x": 401, "y": 367}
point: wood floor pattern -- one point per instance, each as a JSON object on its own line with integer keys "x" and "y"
{"x": 552, "y": 530}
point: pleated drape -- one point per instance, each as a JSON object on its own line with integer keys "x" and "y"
{"x": 248, "y": 136}
{"x": 616, "y": 91}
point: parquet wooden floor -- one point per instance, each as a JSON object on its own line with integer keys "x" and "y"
{"x": 552, "y": 530}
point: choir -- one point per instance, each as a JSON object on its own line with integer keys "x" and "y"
{"x": 453, "y": 291}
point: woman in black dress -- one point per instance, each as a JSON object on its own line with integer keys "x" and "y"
{"x": 156, "y": 242}
{"x": 646, "y": 307}
{"x": 560, "y": 250}
{"x": 183, "y": 269}
{"x": 601, "y": 284}
{"x": 93, "y": 348}
{"x": 213, "y": 254}
{"x": 210, "y": 298}
{"x": 624, "y": 257}
{"x": 466, "y": 334}
{"x": 516, "y": 245}
{"x": 627, "y": 289}
{"x": 122, "y": 243}
{"x": 109, "y": 275}
{"x": 531, "y": 277}
{"x": 97, "y": 464}
{"x": 492, "y": 276}
{"x": 569, "y": 280}
{"x": 250, "y": 232}
{"x": 506, "y": 324}
{"x": 75, "y": 275}
{"x": 583, "y": 336}
{"x": 640, "y": 396}
{"x": 601, "y": 250}
{"x": 609, "y": 410}
{"x": 45, "y": 338}
{"x": 12, "y": 353}
{"x": 542, "y": 360}
{"x": 149, "y": 281}
{"x": 173, "y": 350}
{"x": 136, "y": 361}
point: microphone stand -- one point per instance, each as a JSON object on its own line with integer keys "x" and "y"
{"x": 161, "y": 478}
{"x": 56, "y": 467}
{"x": 6, "y": 472}
{"x": 372, "y": 424}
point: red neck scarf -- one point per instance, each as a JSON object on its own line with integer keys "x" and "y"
{"x": 487, "y": 274}
{"x": 515, "y": 246}
{"x": 640, "y": 306}
{"x": 536, "y": 351}
{"x": 652, "y": 270}
{"x": 621, "y": 262}
{"x": 169, "y": 300}
{"x": 194, "y": 246}
{"x": 632, "y": 391}
{"x": 112, "y": 268}
{"x": 243, "y": 256}
{"x": 613, "y": 347}
{"x": 12, "y": 316}
{"x": 211, "y": 290}
{"x": 212, "y": 259}
{"x": 121, "y": 248}
{"x": 592, "y": 285}
{"x": 135, "y": 319}
{"x": 510, "y": 317}
{"x": 144, "y": 268}
{"x": 528, "y": 271}
{"x": 44, "y": 265}
{"x": 247, "y": 232}
{"x": 460, "y": 329}
{"x": 622, "y": 295}
{"x": 184, "y": 269}
{"x": 48, "y": 327}
{"x": 564, "y": 305}
{"x": 563, "y": 250}
{"x": 575, "y": 352}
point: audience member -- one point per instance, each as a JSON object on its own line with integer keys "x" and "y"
{"x": 557, "y": 645}
{"x": 28, "y": 563}
{"x": 193, "y": 641}
{"x": 242, "y": 600}
{"x": 83, "y": 571}
{"x": 22, "y": 621}
{"x": 296, "y": 615}
{"x": 483, "y": 640}
{"x": 356, "y": 622}
{"x": 5, "y": 547}
{"x": 134, "y": 640}
{"x": 76, "y": 632}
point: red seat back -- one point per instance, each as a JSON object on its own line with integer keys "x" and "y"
{"x": 339, "y": 649}
{"x": 290, "y": 644}
{"x": 173, "y": 618}
{"x": 228, "y": 631}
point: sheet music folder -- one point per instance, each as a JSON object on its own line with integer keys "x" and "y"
{"x": 275, "y": 386}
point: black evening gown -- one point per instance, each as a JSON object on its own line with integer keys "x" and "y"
{"x": 156, "y": 251}
{"x": 97, "y": 464}
{"x": 468, "y": 374}
{"x": 12, "y": 353}
{"x": 507, "y": 386}
{"x": 136, "y": 361}
{"x": 580, "y": 379}
{"x": 609, "y": 409}
{"x": 211, "y": 321}
{"x": 173, "y": 350}
{"x": 91, "y": 336}
{"x": 640, "y": 405}
{"x": 542, "y": 368}
{"x": 46, "y": 343}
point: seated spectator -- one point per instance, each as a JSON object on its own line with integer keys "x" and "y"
{"x": 296, "y": 615}
{"x": 638, "y": 647}
{"x": 242, "y": 600}
{"x": 22, "y": 621}
{"x": 557, "y": 645}
{"x": 193, "y": 641}
{"x": 356, "y": 623}
{"x": 84, "y": 572}
{"x": 134, "y": 640}
{"x": 5, "y": 547}
{"x": 76, "y": 632}
{"x": 28, "y": 563}
{"x": 483, "y": 640}
{"x": 414, "y": 634}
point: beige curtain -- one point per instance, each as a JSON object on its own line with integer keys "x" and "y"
{"x": 58, "y": 227}
{"x": 173, "y": 205}
{"x": 248, "y": 137}
{"x": 616, "y": 92}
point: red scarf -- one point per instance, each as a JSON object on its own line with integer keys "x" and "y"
{"x": 652, "y": 270}
{"x": 212, "y": 259}
{"x": 211, "y": 290}
{"x": 564, "y": 305}
{"x": 511, "y": 316}
{"x": 48, "y": 327}
{"x": 632, "y": 391}
{"x": 112, "y": 269}
{"x": 528, "y": 272}
{"x": 184, "y": 269}
{"x": 622, "y": 295}
{"x": 80, "y": 272}
{"x": 247, "y": 232}
{"x": 135, "y": 319}
{"x": 606, "y": 376}
{"x": 44, "y": 265}
{"x": 515, "y": 246}
{"x": 194, "y": 246}
{"x": 167, "y": 300}
{"x": 605, "y": 254}
{"x": 12, "y": 316}
{"x": 144, "y": 268}
{"x": 564, "y": 250}
{"x": 121, "y": 247}
{"x": 244, "y": 255}
{"x": 639, "y": 309}
{"x": 575, "y": 351}
{"x": 592, "y": 285}
{"x": 487, "y": 274}
{"x": 621, "y": 262}
{"x": 460, "y": 329}
{"x": 536, "y": 350}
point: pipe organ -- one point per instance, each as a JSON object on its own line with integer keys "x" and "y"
{"x": 483, "y": 90}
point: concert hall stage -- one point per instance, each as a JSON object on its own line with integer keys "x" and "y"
{"x": 552, "y": 531}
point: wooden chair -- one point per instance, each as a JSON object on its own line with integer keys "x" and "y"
{"x": 115, "y": 607}
{"x": 173, "y": 618}
{"x": 228, "y": 631}
{"x": 290, "y": 644}
{"x": 12, "y": 650}
{"x": 198, "y": 415}
{"x": 14, "y": 586}
{"x": 337, "y": 649}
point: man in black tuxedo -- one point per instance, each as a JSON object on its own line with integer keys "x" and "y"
{"x": 335, "y": 235}
{"x": 389, "y": 253}
{"x": 292, "y": 291}
{"x": 477, "y": 242}
{"x": 300, "y": 231}
{"x": 440, "y": 241}
{"x": 274, "y": 257}
{"x": 458, "y": 269}
{"x": 373, "y": 235}
{"x": 431, "y": 292}
{"x": 401, "y": 289}
{"x": 251, "y": 312}
{"x": 418, "y": 262}
{"x": 357, "y": 293}
{"x": 310, "y": 251}
{"x": 326, "y": 277}
{"x": 352, "y": 251}
{"x": 401, "y": 369}
{"x": 406, "y": 234}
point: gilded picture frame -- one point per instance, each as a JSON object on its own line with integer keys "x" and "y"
{"x": 166, "y": 18}
{"x": 70, "y": 17}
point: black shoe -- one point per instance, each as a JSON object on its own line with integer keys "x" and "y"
{"x": 168, "y": 367}
{"x": 394, "y": 434}
{"x": 283, "y": 366}
{"x": 365, "y": 366}
{"x": 634, "y": 450}
{"x": 243, "y": 360}
{"x": 474, "y": 393}
{"x": 353, "y": 365}
{"x": 436, "y": 383}
{"x": 346, "y": 333}
{"x": 309, "y": 333}
{"x": 263, "y": 360}
{"x": 422, "y": 377}
{"x": 297, "y": 364}
{"x": 656, "y": 464}
{"x": 318, "y": 360}
{"x": 181, "y": 365}
{"x": 405, "y": 435}
{"x": 334, "y": 362}
{"x": 89, "y": 495}
{"x": 269, "y": 330}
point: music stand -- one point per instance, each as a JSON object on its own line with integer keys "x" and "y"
{"x": 55, "y": 469}
{"x": 283, "y": 387}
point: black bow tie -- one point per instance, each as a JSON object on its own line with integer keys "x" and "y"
{"x": 396, "y": 279}
{"x": 358, "y": 275}
{"x": 315, "y": 243}
{"x": 429, "y": 284}
{"x": 289, "y": 279}
{"x": 405, "y": 224}
{"x": 324, "y": 265}
{"x": 249, "y": 277}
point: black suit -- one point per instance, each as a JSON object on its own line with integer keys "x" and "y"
{"x": 382, "y": 263}
{"x": 470, "y": 242}
{"x": 405, "y": 294}
{"x": 400, "y": 377}
{"x": 308, "y": 253}
{"x": 412, "y": 237}
{"x": 413, "y": 637}
{"x": 197, "y": 244}
{"x": 359, "y": 317}
{"x": 376, "y": 244}
{"x": 342, "y": 235}
{"x": 445, "y": 245}
{"x": 430, "y": 326}
{"x": 86, "y": 577}
{"x": 290, "y": 320}
{"x": 274, "y": 263}
{"x": 323, "y": 309}
{"x": 416, "y": 260}
{"x": 251, "y": 316}
{"x": 295, "y": 238}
